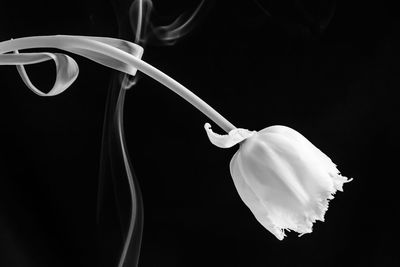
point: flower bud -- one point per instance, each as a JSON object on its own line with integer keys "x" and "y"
{"x": 283, "y": 178}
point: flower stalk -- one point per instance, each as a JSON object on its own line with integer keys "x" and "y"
{"x": 95, "y": 47}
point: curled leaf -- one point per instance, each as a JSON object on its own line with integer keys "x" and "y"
{"x": 66, "y": 69}
{"x": 97, "y": 49}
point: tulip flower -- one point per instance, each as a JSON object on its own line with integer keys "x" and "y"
{"x": 282, "y": 177}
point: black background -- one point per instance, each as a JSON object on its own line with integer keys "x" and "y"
{"x": 329, "y": 70}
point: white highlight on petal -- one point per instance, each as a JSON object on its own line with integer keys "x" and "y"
{"x": 234, "y": 137}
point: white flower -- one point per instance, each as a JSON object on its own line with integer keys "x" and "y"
{"x": 282, "y": 177}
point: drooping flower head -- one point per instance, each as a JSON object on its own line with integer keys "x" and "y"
{"x": 282, "y": 177}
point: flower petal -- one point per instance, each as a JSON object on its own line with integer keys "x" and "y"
{"x": 321, "y": 161}
{"x": 266, "y": 175}
{"x": 292, "y": 179}
{"x": 251, "y": 200}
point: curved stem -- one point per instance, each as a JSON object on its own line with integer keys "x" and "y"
{"x": 64, "y": 42}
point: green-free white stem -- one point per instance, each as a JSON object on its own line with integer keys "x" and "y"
{"x": 65, "y": 42}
